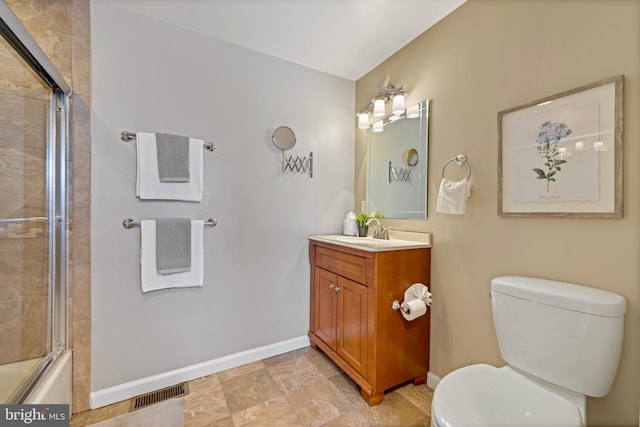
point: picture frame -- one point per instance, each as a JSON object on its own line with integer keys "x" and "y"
{"x": 561, "y": 156}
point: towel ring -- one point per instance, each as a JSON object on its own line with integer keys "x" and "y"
{"x": 460, "y": 159}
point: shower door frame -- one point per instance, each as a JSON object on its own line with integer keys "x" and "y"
{"x": 57, "y": 175}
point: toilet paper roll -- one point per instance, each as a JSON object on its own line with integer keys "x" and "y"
{"x": 413, "y": 309}
{"x": 418, "y": 291}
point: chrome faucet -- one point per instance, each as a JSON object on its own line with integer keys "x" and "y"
{"x": 379, "y": 232}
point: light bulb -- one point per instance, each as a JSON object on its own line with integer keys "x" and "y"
{"x": 398, "y": 104}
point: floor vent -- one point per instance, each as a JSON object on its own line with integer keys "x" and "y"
{"x": 159, "y": 395}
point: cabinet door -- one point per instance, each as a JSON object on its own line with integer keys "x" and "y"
{"x": 325, "y": 310}
{"x": 352, "y": 323}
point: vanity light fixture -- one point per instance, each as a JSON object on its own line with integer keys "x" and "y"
{"x": 397, "y": 107}
{"x": 378, "y": 126}
{"x": 377, "y": 105}
{"x": 413, "y": 111}
{"x": 363, "y": 120}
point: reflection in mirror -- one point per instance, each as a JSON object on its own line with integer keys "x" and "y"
{"x": 411, "y": 159}
{"x": 397, "y": 165}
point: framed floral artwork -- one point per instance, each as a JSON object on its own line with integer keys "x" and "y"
{"x": 562, "y": 155}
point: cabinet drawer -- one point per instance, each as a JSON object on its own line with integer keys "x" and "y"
{"x": 341, "y": 263}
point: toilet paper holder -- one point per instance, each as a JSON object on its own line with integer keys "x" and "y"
{"x": 397, "y": 306}
{"x": 417, "y": 291}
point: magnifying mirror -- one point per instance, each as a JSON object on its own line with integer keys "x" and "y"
{"x": 412, "y": 157}
{"x": 284, "y": 138}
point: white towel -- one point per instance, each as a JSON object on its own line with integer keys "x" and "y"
{"x": 452, "y": 197}
{"x": 149, "y": 277}
{"x": 148, "y": 185}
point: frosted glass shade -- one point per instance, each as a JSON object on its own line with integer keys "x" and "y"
{"x": 377, "y": 126}
{"x": 378, "y": 108}
{"x": 397, "y": 107}
{"x": 413, "y": 111}
{"x": 363, "y": 121}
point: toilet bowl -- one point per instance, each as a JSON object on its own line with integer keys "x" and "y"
{"x": 561, "y": 341}
{"x": 486, "y": 396}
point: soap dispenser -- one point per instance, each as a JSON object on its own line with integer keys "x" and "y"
{"x": 349, "y": 225}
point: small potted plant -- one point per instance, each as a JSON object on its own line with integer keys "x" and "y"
{"x": 361, "y": 219}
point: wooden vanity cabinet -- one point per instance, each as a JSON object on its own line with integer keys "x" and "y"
{"x": 352, "y": 321}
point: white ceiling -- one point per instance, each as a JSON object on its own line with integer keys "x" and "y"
{"x": 345, "y": 38}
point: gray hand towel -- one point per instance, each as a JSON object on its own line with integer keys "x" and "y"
{"x": 173, "y": 157}
{"x": 173, "y": 245}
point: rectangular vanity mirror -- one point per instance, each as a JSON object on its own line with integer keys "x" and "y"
{"x": 397, "y": 162}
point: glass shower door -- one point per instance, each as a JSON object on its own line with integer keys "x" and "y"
{"x": 30, "y": 114}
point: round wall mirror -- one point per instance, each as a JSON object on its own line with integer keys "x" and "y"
{"x": 284, "y": 138}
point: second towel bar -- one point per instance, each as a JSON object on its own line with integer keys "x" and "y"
{"x": 130, "y": 136}
{"x": 130, "y": 223}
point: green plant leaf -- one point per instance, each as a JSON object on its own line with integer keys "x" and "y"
{"x": 540, "y": 172}
{"x": 362, "y": 218}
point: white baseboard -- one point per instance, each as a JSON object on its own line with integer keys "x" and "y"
{"x": 131, "y": 389}
{"x": 432, "y": 380}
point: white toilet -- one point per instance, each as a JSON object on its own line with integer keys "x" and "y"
{"x": 562, "y": 342}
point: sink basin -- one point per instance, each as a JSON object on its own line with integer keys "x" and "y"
{"x": 368, "y": 243}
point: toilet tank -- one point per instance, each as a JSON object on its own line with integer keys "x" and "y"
{"x": 569, "y": 335}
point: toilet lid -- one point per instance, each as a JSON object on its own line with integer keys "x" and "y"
{"x": 485, "y": 396}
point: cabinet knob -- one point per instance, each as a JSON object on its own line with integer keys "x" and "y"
{"x": 331, "y": 285}
{"x": 337, "y": 289}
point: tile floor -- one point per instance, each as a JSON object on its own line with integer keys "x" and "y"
{"x": 299, "y": 388}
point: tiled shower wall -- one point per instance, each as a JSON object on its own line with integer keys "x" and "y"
{"x": 62, "y": 29}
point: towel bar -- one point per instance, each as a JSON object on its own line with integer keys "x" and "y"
{"x": 31, "y": 219}
{"x": 461, "y": 160}
{"x": 130, "y": 136}
{"x": 130, "y": 223}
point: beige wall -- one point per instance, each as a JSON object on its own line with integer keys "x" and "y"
{"x": 62, "y": 29}
{"x": 487, "y": 56}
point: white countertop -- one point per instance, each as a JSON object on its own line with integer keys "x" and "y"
{"x": 409, "y": 240}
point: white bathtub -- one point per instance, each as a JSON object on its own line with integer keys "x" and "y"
{"x": 12, "y": 374}
{"x": 55, "y": 386}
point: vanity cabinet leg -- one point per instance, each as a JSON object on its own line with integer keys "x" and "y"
{"x": 314, "y": 347}
{"x": 419, "y": 380}
{"x": 372, "y": 399}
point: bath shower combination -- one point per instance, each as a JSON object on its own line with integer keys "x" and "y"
{"x": 35, "y": 365}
